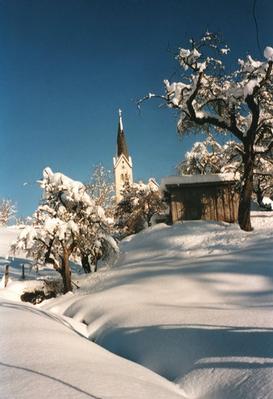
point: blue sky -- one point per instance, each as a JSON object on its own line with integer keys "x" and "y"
{"x": 67, "y": 66}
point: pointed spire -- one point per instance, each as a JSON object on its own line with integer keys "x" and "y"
{"x": 120, "y": 119}
{"x": 121, "y": 142}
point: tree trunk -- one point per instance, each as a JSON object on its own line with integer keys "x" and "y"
{"x": 96, "y": 265}
{"x": 85, "y": 263}
{"x": 66, "y": 272}
{"x": 259, "y": 194}
{"x": 94, "y": 262}
{"x": 247, "y": 188}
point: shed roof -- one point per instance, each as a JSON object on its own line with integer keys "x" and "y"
{"x": 197, "y": 179}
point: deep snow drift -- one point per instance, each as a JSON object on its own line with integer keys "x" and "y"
{"x": 192, "y": 302}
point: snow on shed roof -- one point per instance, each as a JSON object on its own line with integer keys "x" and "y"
{"x": 196, "y": 179}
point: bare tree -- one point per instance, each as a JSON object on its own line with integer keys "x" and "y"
{"x": 101, "y": 188}
{"x": 7, "y": 211}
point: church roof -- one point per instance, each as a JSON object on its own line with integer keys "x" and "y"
{"x": 121, "y": 142}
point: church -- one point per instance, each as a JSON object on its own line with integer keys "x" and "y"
{"x": 190, "y": 197}
{"x": 123, "y": 165}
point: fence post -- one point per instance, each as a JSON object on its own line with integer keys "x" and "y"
{"x": 23, "y": 271}
{"x": 6, "y": 275}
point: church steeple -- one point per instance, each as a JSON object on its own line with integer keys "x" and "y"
{"x": 123, "y": 167}
{"x": 121, "y": 141}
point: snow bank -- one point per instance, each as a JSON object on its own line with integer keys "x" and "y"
{"x": 42, "y": 356}
{"x": 192, "y": 302}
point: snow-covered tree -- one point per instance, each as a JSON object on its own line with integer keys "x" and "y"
{"x": 139, "y": 204}
{"x": 240, "y": 103}
{"x": 101, "y": 188}
{"x": 67, "y": 224}
{"x": 263, "y": 179}
{"x": 209, "y": 156}
{"x": 24, "y": 221}
{"x": 7, "y": 211}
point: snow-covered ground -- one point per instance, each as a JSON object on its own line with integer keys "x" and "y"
{"x": 190, "y": 303}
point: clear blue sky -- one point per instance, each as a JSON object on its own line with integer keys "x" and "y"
{"x": 68, "y": 65}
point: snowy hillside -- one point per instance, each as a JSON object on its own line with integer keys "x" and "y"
{"x": 192, "y": 303}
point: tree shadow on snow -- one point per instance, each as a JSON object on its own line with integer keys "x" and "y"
{"x": 255, "y": 260}
{"x": 172, "y": 351}
{"x": 47, "y": 376}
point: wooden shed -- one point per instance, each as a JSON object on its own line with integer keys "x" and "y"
{"x": 207, "y": 197}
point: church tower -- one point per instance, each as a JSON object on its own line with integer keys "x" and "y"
{"x": 123, "y": 166}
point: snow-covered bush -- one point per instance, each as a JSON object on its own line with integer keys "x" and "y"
{"x": 240, "y": 103}
{"x": 67, "y": 224}
{"x": 7, "y": 211}
{"x": 140, "y": 202}
{"x": 37, "y": 296}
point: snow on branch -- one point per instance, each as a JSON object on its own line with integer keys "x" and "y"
{"x": 207, "y": 96}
